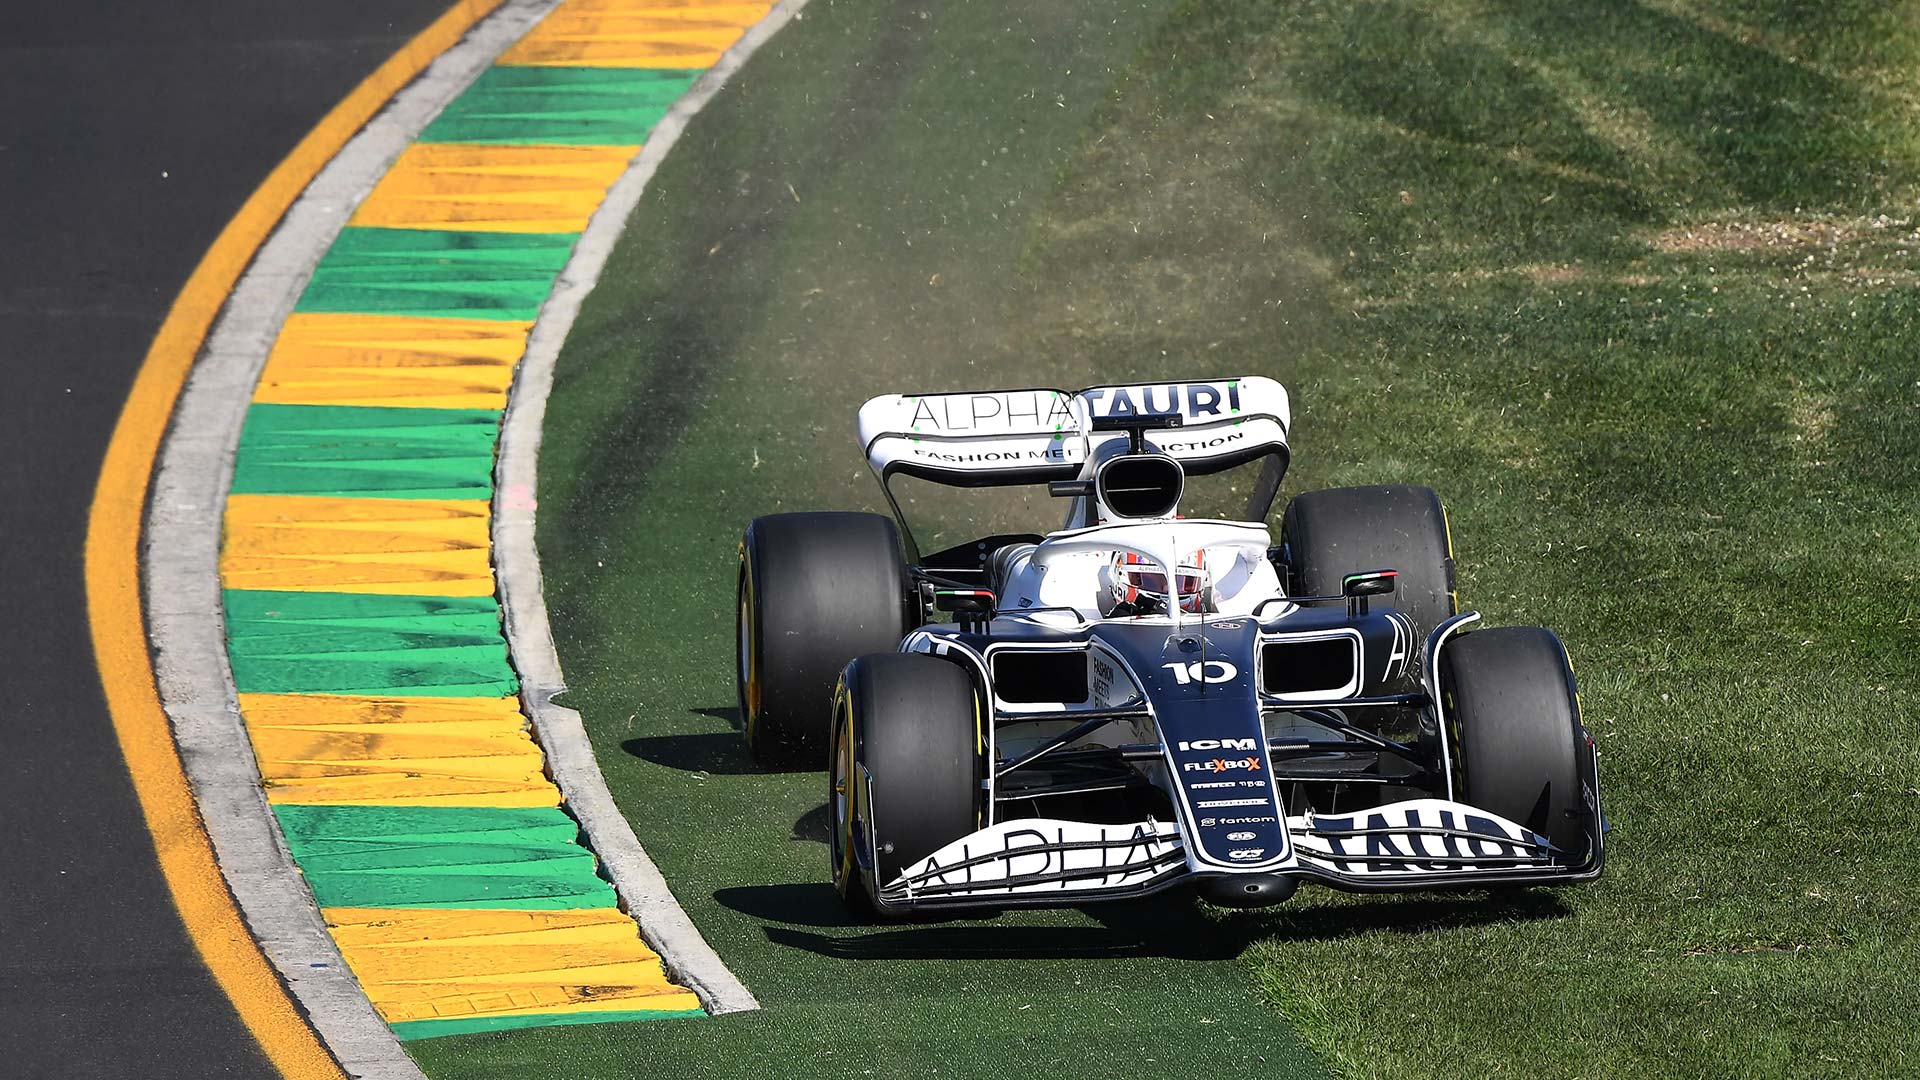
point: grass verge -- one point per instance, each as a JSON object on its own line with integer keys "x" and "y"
{"x": 1631, "y": 283}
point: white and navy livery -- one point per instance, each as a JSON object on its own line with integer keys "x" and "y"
{"x": 1139, "y": 699}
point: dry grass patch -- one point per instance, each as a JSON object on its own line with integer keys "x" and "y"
{"x": 1787, "y": 234}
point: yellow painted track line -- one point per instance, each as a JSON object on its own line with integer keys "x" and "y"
{"x": 113, "y": 571}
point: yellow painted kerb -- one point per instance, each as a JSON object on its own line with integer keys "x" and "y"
{"x": 409, "y": 751}
{"x": 414, "y": 547}
{"x": 113, "y": 571}
{"x": 620, "y": 33}
{"x": 393, "y": 360}
{"x": 428, "y": 964}
{"x": 483, "y": 188}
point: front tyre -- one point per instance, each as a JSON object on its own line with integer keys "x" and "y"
{"x": 905, "y": 769}
{"x": 1522, "y": 753}
{"x": 815, "y": 591}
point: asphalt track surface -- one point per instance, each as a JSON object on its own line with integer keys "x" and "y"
{"x": 129, "y": 135}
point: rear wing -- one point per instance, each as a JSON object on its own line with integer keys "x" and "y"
{"x": 990, "y": 438}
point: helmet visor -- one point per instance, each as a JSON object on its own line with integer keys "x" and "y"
{"x": 1152, "y": 582}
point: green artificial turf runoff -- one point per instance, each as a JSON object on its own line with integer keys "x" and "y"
{"x": 1631, "y": 284}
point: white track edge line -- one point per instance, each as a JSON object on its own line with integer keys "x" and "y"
{"x": 643, "y": 890}
{"x": 180, "y": 558}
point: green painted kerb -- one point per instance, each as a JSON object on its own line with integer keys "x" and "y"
{"x": 468, "y": 1025}
{"x": 364, "y": 452}
{"x": 437, "y": 273}
{"x": 366, "y": 643}
{"x": 443, "y": 857}
{"x": 566, "y": 105}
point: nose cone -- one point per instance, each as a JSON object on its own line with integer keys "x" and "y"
{"x": 1248, "y": 890}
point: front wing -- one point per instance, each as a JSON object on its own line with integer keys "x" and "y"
{"x": 1416, "y": 844}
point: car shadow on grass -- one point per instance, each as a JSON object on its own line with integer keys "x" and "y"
{"x": 1171, "y": 926}
{"x": 718, "y": 753}
{"x": 814, "y": 826}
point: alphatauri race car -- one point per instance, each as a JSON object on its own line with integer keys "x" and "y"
{"x": 1141, "y": 700}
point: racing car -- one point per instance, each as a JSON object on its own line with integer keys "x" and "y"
{"x": 1140, "y": 699}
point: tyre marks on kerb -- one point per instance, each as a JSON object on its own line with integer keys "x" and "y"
{"x": 471, "y": 274}
{"x": 323, "y": 543}
{"x": 367, "y": 749}
{"x": 363, "y": 633}
{"x": 506, "y": 188}
{"x": 347, "y": 359}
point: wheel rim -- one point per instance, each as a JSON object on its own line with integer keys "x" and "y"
{"x": 747, "y": 657}
{"x": 840, "y": 796}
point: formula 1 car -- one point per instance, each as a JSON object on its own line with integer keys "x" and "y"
{"x": 1140, "y": 699}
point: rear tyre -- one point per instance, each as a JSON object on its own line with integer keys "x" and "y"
{"x": 1330, "y": 534}
{"x": 1516, "y": 717}
{"x": 904, "y": 776}
{"x": 815, "y": 591}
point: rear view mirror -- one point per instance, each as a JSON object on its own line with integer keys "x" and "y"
{"x": 1368, "y": 583}
{"x": 963, "y": 601}
{"x": 1357, "y": 587}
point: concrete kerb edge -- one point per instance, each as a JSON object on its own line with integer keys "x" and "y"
{"x": 642, "y": 889}
{"x": 180, "y": 558}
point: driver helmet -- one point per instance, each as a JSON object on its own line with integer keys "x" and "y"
{"x": 1135, "y": 585}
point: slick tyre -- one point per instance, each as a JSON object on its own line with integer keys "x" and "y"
{"x": 1511, "y": 701}
{"x": 904, "y": 779}
{"x": 815, "y": 591}
{"x": 1330, "y": 534}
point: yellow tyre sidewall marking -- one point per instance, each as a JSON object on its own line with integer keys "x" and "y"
{"x": 749, "y": 648}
